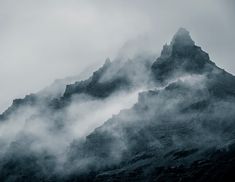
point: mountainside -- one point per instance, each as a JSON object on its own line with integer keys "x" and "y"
{"x": 182, "y": 128}
{"x": 176, "y": 125}
{"x": 110, "y": 78}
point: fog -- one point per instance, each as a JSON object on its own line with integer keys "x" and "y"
{"x": 42, "y": 127}
{"x": 126, "y": 107}
{"x": 41, "y": 41}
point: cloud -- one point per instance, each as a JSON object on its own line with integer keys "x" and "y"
{"x": 43, "y": 41}
{"x": 73, "y": 140}
{"x": 52, "y": 132}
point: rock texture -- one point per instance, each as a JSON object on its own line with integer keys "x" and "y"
{"x": 182, "y": 129}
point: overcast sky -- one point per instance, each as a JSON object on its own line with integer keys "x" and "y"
{"x": 43, "y": 40}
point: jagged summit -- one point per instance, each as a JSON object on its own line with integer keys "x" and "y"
{"x": 107, "y": 61}
{"x": 182, "y": 38}
{"x": 182, "y": 56}
{"x": 180, "y": 42}
{"x": 183, "y": 131}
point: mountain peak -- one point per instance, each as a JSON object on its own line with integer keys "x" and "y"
{"x": 182, "y": 38}
{"x": 180, "y": 57}
{"x": 107, "y": 61}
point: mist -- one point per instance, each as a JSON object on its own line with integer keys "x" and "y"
{"x": 38, "y": 128}
{"x": 136, "y": 104}
{"x": 41, "y": 41}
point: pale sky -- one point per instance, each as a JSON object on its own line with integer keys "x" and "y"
{"x": 42, "y": 40}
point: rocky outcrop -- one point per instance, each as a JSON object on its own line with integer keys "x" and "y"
{"x": 180, "y": 58}
{"x": 180, "y": 130}
{"x": 171, "y": 132}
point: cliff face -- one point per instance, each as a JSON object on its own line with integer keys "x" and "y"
{"x": 182, "y": 129}
{"x": 181, "y": 57}
{"x": 166, "y": 134}
{"x": 111, "y": 78}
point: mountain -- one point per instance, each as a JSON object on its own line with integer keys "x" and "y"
{"x": 181, "y": 57}
{"x": 189, "y": 119}
{"x": 180, "y": 129}
{"x": 110, "y": 78}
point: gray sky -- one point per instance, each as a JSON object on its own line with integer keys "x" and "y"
{"x": 43, "y": 40}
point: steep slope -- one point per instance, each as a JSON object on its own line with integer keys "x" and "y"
{"x": 182, "y": 129}
{"x": 191, "y": 114}
{"x": 110, "y": 78}
{"x": 181, "y": 57}
{"x": 36, "y": 130}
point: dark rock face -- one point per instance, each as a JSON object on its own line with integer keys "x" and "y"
{"x": 112, "y": 77}
{"x": 29, "y": 100}
{"x": 173, "y": 134}
{"x": 181, "y": 57}
{"x": 182, "y": 39}
{"x": 93, "y": 87}
{"x": 180, "y": 131}
{"x": 217, "y": 167}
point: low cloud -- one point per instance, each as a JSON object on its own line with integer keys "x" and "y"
{"x": 61, "y": 39}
